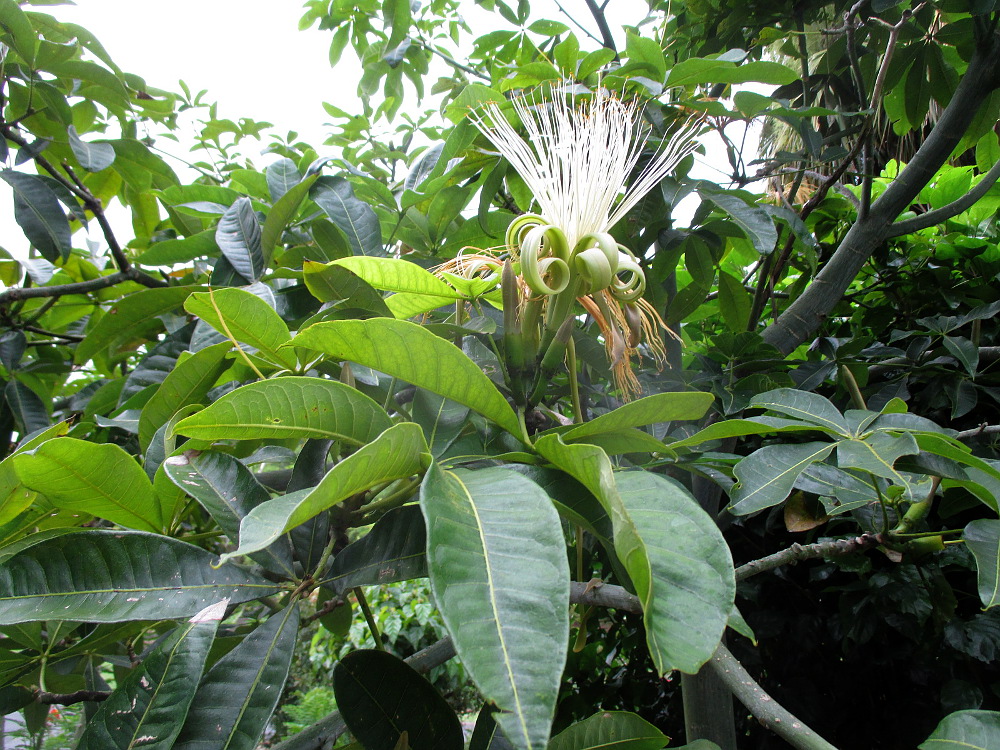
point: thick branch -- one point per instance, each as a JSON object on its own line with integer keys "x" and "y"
{"x": 58, "y": 290}
{"x": 801, "y": 319}
{"x": 797, "y": 552}
{"x": 929, "y": 219}
{"x": 602, "y": 24}
{"x": 763, "y": 707}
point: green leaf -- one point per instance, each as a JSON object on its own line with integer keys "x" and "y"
{"x": 291, "y": 407}
{"x": 283, "y": 210}
{"x": 755, "y": 222}
{"x": 407, "y": 305}
{"x": 966, "y": 730}
{"x": 23, "y": 38}
{"x": 396, "y": 275}
{"x": 329, "y": 283}
{"x": 489, "y": 533}
{"x": 809, "y": 407}
{"x": 129, "y": 314}
{"x": 692, "y": 583}
{"x": 398, "y": 452}
{"x": 38, "y": 213}
{"x": 353, "y": 216}
{"x": 966, "y": 352}
{"x": 741, "y": 427}
{"x": 877, "y": 454}
{"x": 411, "y": 353}
{"x": 381, "y": 697}
{"x": 238, "y": 695}
{"x": 394, "y": 550}
{"x": 27, "y": 407}
{"x": 983, "y": 539}
{"x": 767, "y": 475}
{"x": 734, "y": 302}
{"x": 116, "y": 576}
{"x": 92, "y": 156}
{"x": 662, "y": 407}
{"x": 245, "y": 317}
{"x": 168, "y": 252}
{"x": 696, "y": 71}
{"x": 147, "y": 709}
{"x": 282, "y": 176}
{"x": 228, "y": 491}
{"x": 239, "y": 238}
{"x": 102, "y": 480}
{"x": 614, "y": 730}
{"x": 188, "y": 383}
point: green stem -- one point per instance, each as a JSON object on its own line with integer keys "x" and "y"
{"x": 394, "y": 498}
{"x": 390, "y": 394}
{"x": 525, "y": 437}
{"x": 852, "y": 387}
{"x": 918, "y": 511}
{"x": 372, "y": 626}
{"x": 574, "y": 383}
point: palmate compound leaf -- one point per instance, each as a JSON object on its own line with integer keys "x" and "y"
{"x": 499, "y": 574}
{"x": 671, "y": 549}
{"x": 237, "y": 696}
{"x": 767, "y": 475}
{"x": 397, "y": 453}
{"x": 147, "y": 709}
{"x": 661, "y": 407}
{"x": 291, "y": 407}
{"x": 380, "y": 697}
{"x": 966, "y": 730}
{"x": 410, "y": 352}
{"x": 115, "y": 576}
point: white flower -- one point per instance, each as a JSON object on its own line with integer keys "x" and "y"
{"x": 579, "y": 155}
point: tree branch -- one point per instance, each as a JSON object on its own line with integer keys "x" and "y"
{"x": 602, "y": 25}
{"x": 797, "y": 552}
{"x": 929, "y": 219}
{"x": 68, "y": 699}
{"x": 58, "y": 290}
{"x": 810, "y": 309}
{"x": 763, "y": 707}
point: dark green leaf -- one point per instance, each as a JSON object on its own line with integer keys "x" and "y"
{"x": 394, "y": 550}
{"x": 661, "y": 407}
{"x": 239, "y": 238}
{"x": 281, "y": 176}
{"x": 239, "y": 693}
{"x": 27, "y": 407}
{"x": 810, "y": 407}
{"x": 147, "y": 709}
{"x": 353, "y": 216}
{"x": 767, "y": 475}
{"x": 381, "y": 697}
{"x": 488, "y": 532}
{"x": 115, "y": 576}
{"x": 329, "y": 283}
{"x": 228, "y": 491}
{"x": 966, "y": 730}
{"x": 613, "y": 730}
{"x": 38, "y": 213}
{"x": 983, "y": 539}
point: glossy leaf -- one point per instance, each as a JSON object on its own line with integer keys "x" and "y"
{"x": 398, "y": 452}
{"x": 148, "y": 707}
{"x": 245, "y": 318}
{"x": 353, "y": 216}
{"x": 500, "y": 578}
{"x": 329, "y": 283}
{"x": 809, "y": 407}
{"x": 411, "y": 353}
{"x": 282, "y": 176}
{"x": 115, "y": 576}
{"x": 239, "y": 238}
{"x": 296, "y": 407}
{"x": 877, "y": 454}
{"x": 396, "y": 275}
{"x": 741, "y": 427}
{"x": 983, "y": 540}
{"x": 92, "y": 156}
{"x": 753, "y": 220}
{"x": 136, "y": 312}
{"x": 966, "y": 730}
{"x": 613, "y": 730}
{"x": 661, "y": 407}
{"x": 27, "y": 407}
{"x": 188, "y": 383}
{"x": 100, "y": 479}
{"x": 692, "y": 584}
{"x": 283, "y": 211}
{"x": 38, "y": 212}
{"x": 228, "y": 491}
{"x": 394, "y": 550}
{"x": 380, "y": 697}
{"x": 238, "y": 695}
{"x": 767, "y": 475}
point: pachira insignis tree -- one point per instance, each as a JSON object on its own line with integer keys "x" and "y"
{"x": 439, "y": 352}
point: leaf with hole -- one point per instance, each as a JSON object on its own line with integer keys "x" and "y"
{"x": 500, "y": 578}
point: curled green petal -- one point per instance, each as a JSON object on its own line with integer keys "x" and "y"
{"x": 543, "y": 253}
{"x": 521, "y": 226}
{"x": 630, "y": 282}
{"x": 601, "y": 241}
{"x": 593, "y": 267}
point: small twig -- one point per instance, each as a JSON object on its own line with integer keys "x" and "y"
{"x": 983, "y": 429}
{"x": 797, "y": 552}
{"x": 602, "y": 24}
{"x": 68, "y": 699}
{"x": 53, "y": 334}
{"x": 328, "y": 606}
{"x": 369, "y": 617}
{"x": 576, "y": 23}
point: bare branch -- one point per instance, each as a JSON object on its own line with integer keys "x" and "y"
{"x": 68, "y": 699}
{"x": 58, "y": 290}
{"x": 602, "y": 25}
